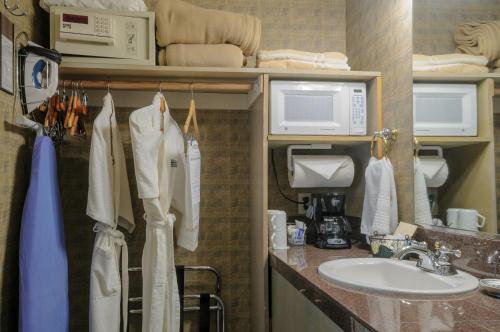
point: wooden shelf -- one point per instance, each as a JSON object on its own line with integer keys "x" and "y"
{"x": 333, "y": 75}
{"x": 451, "y": 141}
{"x": 283, "y": 140}
{"x": 456, "y": 78}
{"x": 138, "y": 72}
{"x": 74, "y": 70}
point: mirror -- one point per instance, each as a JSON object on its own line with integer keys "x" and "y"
{"x": 456, "y": 121}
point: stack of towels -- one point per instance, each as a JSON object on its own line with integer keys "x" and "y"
{"x": 450, "y": 63}
{"x": 294, "y": 59}
{"x": 189, "y": 35}
{"x": 480, "y": 38}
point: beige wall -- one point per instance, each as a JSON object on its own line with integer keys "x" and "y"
{"x": 314, "y": 25}
{"x": 15, "y": 154}
{"x": 434, "y": 22}
{"x": 379, "y": 37}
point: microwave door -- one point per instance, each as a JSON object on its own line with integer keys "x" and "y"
{"x": 315, "y": 112}
{"x": 443, "y": 113}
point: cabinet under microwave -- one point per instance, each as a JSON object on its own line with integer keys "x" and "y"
{"x": 317, "y": 108}
{"x": 444, "y": 109}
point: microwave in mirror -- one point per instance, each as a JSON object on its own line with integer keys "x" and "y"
{"x": 318, "y": 108}
{"x": 444, "y": 110}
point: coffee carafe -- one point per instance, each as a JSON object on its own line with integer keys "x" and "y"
{"x": 332, "y": 227}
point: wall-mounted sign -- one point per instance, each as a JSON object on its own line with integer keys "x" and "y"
{"x": 7, "y": 55}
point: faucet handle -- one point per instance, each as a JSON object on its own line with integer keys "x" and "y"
{"x": 444, "y": 253}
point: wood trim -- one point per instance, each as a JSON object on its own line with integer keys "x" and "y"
{"x": 259, "y": 297}
{"x": 218, "y": 87}
{"x": 380, "y": 119}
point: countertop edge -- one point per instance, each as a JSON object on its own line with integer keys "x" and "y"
{"x": 328, "y": 305}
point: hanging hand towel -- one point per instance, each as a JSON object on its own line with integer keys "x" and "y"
{"x": 43, "y": 264}
{"x": 422, "y": 205}
{"x": 380, "y": 207}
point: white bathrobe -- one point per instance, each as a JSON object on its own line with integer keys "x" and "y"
{"x": 160, "y": 169}
{"x": 109, "y": 204}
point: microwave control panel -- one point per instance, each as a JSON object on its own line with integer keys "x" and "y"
{"x": 358, "y": 110}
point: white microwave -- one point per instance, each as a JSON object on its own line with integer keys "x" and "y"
{"x": 318, "y": 108}
{"x": 444, "y": 110}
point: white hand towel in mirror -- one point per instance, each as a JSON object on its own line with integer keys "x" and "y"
{"x": 422, "y": 205}
{"x": 380, "y": 207}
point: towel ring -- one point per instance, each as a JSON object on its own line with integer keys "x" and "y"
{"x": 388, "y": 136}
{"x": 385, "y": 147}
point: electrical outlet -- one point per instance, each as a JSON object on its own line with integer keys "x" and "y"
{"x": 301, "y": 197}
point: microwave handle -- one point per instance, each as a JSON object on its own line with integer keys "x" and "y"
{"x": 436, "y": 148}
{"x": 290, "y": 149}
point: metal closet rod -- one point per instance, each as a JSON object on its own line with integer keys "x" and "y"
{"x": 211, "y": 87}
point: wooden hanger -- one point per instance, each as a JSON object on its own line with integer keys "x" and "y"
{"x": 192, "y": 116}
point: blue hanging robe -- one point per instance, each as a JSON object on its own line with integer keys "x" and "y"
{"x": 43, "y": 265}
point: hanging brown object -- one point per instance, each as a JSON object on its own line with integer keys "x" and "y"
{"x": 74, "y": 125}
{"x": 48, "y": 115}
{"x": 73, "y": 110}
{"x": 68, "y": 110}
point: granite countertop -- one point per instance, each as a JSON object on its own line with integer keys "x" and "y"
{"x": 474, "y": 311}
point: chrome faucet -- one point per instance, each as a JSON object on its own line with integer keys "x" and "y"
{"x": 437, "y": 261}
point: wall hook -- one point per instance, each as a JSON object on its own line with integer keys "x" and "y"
{"x": 14, "y": 9}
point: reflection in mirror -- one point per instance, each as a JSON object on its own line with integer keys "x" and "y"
{"x": 456, "y": 117}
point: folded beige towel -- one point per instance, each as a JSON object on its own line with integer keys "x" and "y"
{"x": 448, "y": 59}
{"x": 288, "y": 54}
{"x": 453, "y": 68}
{"x": 178, "y": 22}
{"x": 201, "y": 55}
{"x": 479, "y": 38}
{"x": 295, "y": 64}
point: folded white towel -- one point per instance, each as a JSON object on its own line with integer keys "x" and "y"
{"x": 451, "y": 68}
{"x": 422, "y": 205}
{"x": 449, "y": 59}
{"x": 332, "y": 58}
{"x": 380, "y": 206}
{"x": 304, "y": 65}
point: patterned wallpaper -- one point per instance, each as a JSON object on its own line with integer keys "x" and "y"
{"x": 379, "y": 37}
{"x": 434, "y": 22}
{"x": 15, "y": 160}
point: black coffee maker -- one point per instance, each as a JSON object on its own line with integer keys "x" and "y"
{"x": 333, "y": 230}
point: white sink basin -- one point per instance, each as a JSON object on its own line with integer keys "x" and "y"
{"x": 393, "y": 276}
